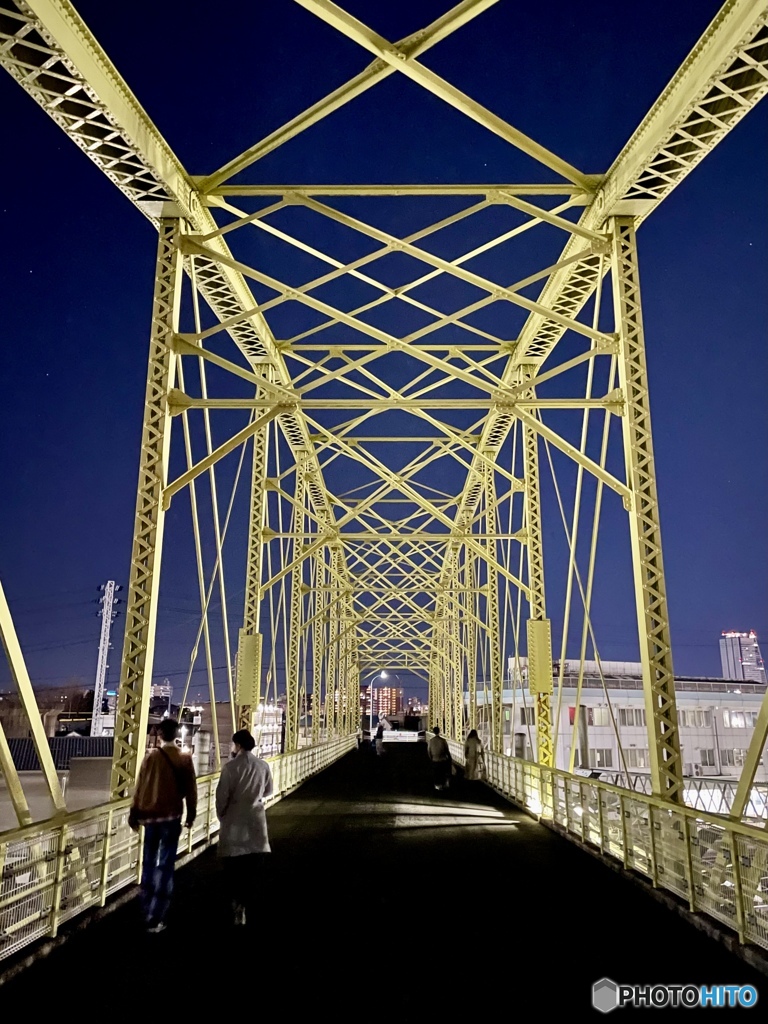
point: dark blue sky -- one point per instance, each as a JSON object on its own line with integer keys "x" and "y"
{"x": 77, "y": 282}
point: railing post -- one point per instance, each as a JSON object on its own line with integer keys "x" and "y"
{"x": 58, "y": 883}
{"x": 600, "y": 818}
{"x": 105, "y": 852}
{"x": 738, "y": 895}
{"x": 652, "y": 847}
{"x": 689, "y": 865}
{"x": 623, "y": 815}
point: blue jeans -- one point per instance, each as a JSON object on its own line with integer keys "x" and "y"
{"x": 161, "y": 840}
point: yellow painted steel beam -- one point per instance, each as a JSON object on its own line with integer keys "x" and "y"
{"x": 20, "y": 676}
{"x": 403, "y": 62}
{"x": 234, "y": 442}
{"x": 578, "y": 195}
{"x": 644, "y": 528}
{"x": 13, "y": 783}
{"x": 414, "y": 45}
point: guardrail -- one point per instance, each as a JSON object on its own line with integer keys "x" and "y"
{"x": 719, "y": 866}
{"x": 712, "y": 795}
{"x": 54, "y": 870}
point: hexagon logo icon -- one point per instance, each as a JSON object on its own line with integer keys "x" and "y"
{"x": 605, "y": 995}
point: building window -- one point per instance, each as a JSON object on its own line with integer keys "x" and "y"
{"x": 506, "y": 714}
{"x": 631, "y": 716}
{"x": 527, "y": 716}
{"x": 638, "y": 757}
{"x": 697, "y": 718}
{"x": 598, "y": 716}
{"x": 740, "y": 719}
{"x": 707, "y": 758}
{"x": 600, "y": 757}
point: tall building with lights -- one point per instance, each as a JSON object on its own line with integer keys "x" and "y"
{"x": 740, "y": 657}
{"x": 388, "y": 700}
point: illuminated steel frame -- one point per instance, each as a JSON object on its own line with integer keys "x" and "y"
{"x": 397, "y": 478}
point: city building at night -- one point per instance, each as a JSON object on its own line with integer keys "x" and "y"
{"x": 740, "y": 657}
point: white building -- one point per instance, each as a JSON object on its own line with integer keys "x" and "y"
{"x": 716, "y": 718}
{"x": 740, "y": 657}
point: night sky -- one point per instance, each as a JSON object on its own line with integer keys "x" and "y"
{"x": 78, "y": 273}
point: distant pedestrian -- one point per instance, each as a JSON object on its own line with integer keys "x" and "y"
{"x": 474, "y": 762}
{"x": 380, "y": 741}
{"x": 440, "y": 756}
{"x": 166, "y": 778}
{"x": 244, "y": 784}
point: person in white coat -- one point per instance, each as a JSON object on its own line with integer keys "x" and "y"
{"x": 244, "y": 784}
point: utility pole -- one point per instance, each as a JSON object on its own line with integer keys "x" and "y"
{"x": 108, "y": 616}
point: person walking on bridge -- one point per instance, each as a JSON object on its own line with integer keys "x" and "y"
{"x": 244, "y": 784}
{"x": 166, "y": 778}
{"x": 474, "y": 765}
{"x": 440, "y": 756}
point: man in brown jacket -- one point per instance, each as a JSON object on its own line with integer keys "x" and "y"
{"x": 166, "y": 778}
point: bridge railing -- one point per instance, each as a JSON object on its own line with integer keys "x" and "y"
{"x": 715, "y": 796}
{"x": 719, "y": 866}
{"x": 54, "y": 870}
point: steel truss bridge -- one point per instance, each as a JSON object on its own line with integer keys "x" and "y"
{"x": 400, "y": 442}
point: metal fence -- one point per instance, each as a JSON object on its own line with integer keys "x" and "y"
{"x": 719, "y": 866}
{"x": 52, "y": 871}
{"x": 715, "y": 796}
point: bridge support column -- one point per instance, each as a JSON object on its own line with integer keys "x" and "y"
{"x": 132, "y": 712}
{"x": 318, "y": 645}
{"x": 492, "y": 611}
{"x": 470, "y": 634}
{"x": 334, "y": 618}
{"x": 248, "y": 699}
{"x": 539, "y": 634}
{"x": 292, "y": 687}
{"x": 645, "y": 534}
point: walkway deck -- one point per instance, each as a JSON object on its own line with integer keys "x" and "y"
{"x": 386, "y": 900}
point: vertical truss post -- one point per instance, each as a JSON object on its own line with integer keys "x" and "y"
{"x": 538, "y": 627}
{"x": 645, "y": 534}
{"x": 248, "y": 702}
{"x": 331, "y": 686}
{"x": 492, "y": 611}
{"x": 442, "y": 668}
{"x": 318, "y": 645}
{"x": 432, "y": 677}
{"x": 345, "y": 687}
{"x": 292, "y": 683}
{"x": 132, "y": 713}
{"x": 470, "y": 634}
{"x": 456, "y": 673}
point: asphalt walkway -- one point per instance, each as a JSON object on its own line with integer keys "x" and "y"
{"x": 385, "y": 900}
